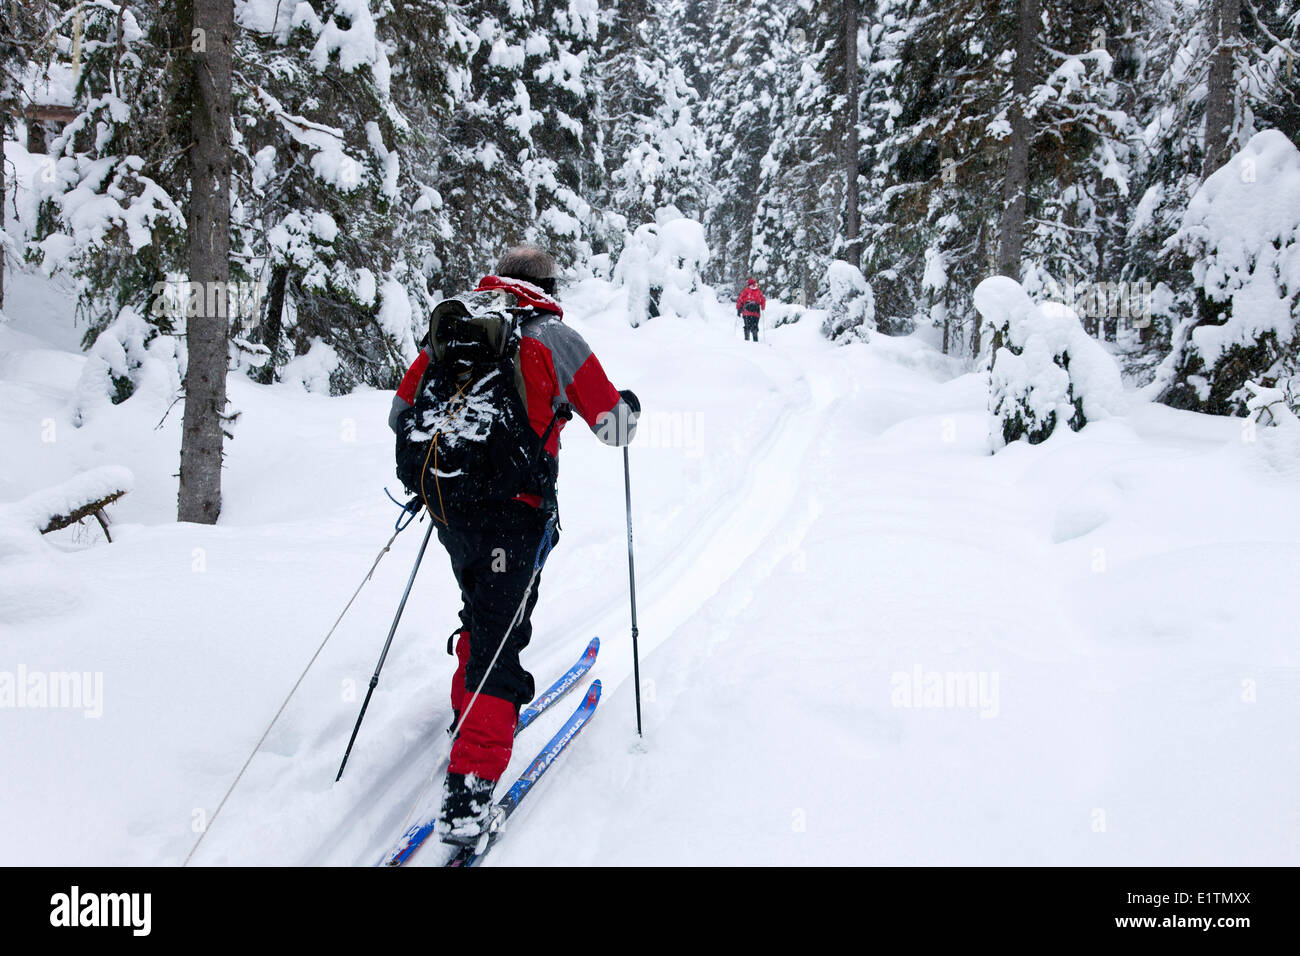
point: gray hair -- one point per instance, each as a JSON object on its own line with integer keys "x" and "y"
{"x": 527, "y": 261}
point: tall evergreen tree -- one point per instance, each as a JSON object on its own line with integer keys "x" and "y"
{"x": 738, "y": 117}
{"x": 654, "y": 152}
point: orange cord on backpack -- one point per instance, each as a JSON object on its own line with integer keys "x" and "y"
{"x": 433, "y": 452}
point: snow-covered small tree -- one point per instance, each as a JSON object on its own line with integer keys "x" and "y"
{"x": 1242, "y": 234}
{"x": 1045, "y": 368}
{"x": 849, "y": 301}
{"x": 662, "y": 266}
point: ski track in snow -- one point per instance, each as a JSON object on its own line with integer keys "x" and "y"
{"x": 835, "y": 524}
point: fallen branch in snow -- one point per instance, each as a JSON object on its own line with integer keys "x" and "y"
{"x": 85, "y": 496}
{"x": 95, "y": 508}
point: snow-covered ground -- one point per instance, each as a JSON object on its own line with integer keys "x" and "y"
{"x": 823, "y": 543}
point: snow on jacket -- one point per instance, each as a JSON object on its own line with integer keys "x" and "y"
{"x": 557, "y": 367}
{"x": 751, "y": 293}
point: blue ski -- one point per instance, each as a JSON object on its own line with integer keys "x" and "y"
{"x": 417, "y": 833}
{"x": 471, "y": 856}
{"x": 561, "y": 687}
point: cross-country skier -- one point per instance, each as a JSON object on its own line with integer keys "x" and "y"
{"x": 493, "y": 551}
{"x": 750, "y": 306}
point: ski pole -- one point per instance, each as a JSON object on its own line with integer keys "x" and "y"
{"x": 380, "y": 666}
{"x": 402, "y": 522}
{"x": 631, "y": 582}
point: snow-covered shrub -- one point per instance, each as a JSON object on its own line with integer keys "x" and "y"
{"x": 129, "y": 357}
{"x": 1279, "y": 406}
{"x": 778, "y": 314}
{"x": 1045, "y": 369}
{"x": 315, "y": 370}
{"x": 1272, "y": 434}
{"x": 1242, "y": 231}
{"x": 661, "y": 266}
{"x": 849, "y": 301}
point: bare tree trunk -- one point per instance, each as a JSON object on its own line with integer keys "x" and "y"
{"x": 985, "y": 252}
{"x": 209, "y": 253}
{"x": 1220, "y": 98}
{"x": 1015, "y": 188}
{"x": 852, "y": 226}
{"x": 35, "y": 137}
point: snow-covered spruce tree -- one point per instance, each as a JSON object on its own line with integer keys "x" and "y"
{"x": 937, "y": 85}
{"x": 25, "y": 60}
{"x": 654, "y": 151}
{"x": 522, "y": 154}
{"x": 1241, "y": 232}
{"x": 887, "y": 31}
{"x": 1075, "y": 238}
{"x": 323, "y": 217}
{"x": 737, "y": 117}
{"x": 430, "y": 45}
{"x": 1066, "y": 104}
{"x": 1002, "y": 148}
{"x": 691, "y": 23}
{"x": 1175, "y": 52}
{"x": 799, "y": 225}
{"x": 112, "y": 218}
{"x": 1045, "y": 368}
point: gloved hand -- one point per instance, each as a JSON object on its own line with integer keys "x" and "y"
{"x": 628, "y": 412}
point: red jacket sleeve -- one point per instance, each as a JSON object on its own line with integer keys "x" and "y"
{"x": 405, "y": 396}
{"x": 581, "y": 381}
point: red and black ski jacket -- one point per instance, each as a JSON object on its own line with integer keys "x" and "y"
{"x": 557, "y": 367}
{"x": 751, "y": 296}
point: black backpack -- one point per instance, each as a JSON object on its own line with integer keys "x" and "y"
{"x": 466, "y": 443}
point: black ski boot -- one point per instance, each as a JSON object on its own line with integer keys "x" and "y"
{"x": 466, "y": 803}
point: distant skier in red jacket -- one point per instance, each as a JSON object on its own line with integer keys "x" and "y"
{"x": 750, "y": 306}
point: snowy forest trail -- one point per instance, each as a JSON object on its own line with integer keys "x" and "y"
{"x": 820, "y": 535}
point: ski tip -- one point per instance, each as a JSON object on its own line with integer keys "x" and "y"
{"x": 593, "y": 692}
{"x": 593, "y": 647}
